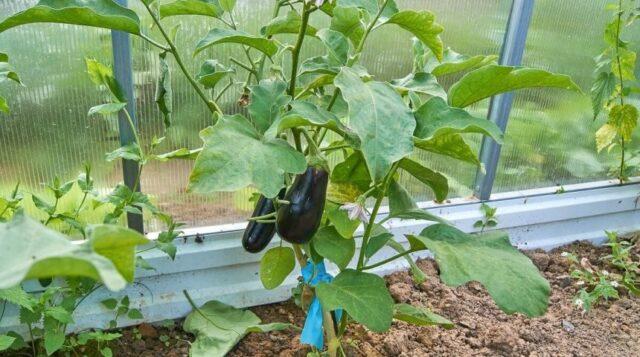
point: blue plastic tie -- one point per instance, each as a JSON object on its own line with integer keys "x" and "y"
{"x": 313, "y": 331}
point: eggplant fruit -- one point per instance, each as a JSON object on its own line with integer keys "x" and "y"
{"x": 298, "y": 221}
{"x": 258, "y": 235}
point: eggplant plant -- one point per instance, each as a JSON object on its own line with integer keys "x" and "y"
{"x": 302, "y": 115}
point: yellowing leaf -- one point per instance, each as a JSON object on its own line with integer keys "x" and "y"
{"x": 625, "y": 119}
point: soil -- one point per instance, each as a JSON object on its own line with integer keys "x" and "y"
{"x": 481, "y": 329}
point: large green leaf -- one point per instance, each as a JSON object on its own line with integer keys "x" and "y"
{"x": 235, "y": 155}
{"x": 118, "y": 244}
{"x": 348, "y": 21}
{"x": 349, "y": 179}
{"x": 510, "y": 277}
{"x": 436, "y": 181}
{"x": 191, "y": 7}
{"x": 451, "y": 145}
{"x": 423, "y": 26}
{"x": 268, "y": 101}
{"x": 303, "y": 114}
{"x": 490, "y": 80}
{"x": 332, "y": 246}
{"x": 381, "y": 120}
{"x": 29, "y": 250}
{"x": 435, "y": 118}
{"x": 337, "y": 49}
{"x": 289, "y": 23}
{"x": 275, "y": 266}
{"x": 402, "y": 205}
{"x": 218, "y": 327}
{"x": 340, "y": 220}
{"x": 212, "y": 72}
{"x": 419, "y": 316}
{"x": 364, "y": 296}
{"x": 219, "y": 36}
{"x": 96, "y": 13}
{"x": 420, "y": 82}
{"x": 453, "y": 62}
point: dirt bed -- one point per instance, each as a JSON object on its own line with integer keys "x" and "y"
{"x": 611, "y": 329}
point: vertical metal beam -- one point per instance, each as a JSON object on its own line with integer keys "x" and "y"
{"x": 122, "y": 70}
{"x": 513, "y": 47}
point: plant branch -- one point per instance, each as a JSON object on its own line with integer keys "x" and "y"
{"x": 295, "y": 55}
{"x": 621, "y": 96}
{"x": 389, "y": 260}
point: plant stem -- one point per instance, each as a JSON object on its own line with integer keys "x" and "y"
{"x": 360, "y": 47}
{"x": 295, "y": 55}
{"x": 621, "y": 96}
{"x": 332, "y": 341}
{"x": 389, "y": 260}
{"x": 213, "y": 107}
{"x": 154, "y": 43}
{"x": 224, "y": 90}
{"x": 299, "y": 255}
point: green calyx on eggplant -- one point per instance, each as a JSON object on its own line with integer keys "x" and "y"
{"x": 298, "y": 221}
{"x": 258, "y": 235}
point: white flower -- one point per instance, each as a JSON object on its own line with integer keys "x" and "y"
{"x": 579, "y": 303}
{"x": 564, "y": 254}
{"x": 356, "y": 211}
{"x": 605, "y": 273}
{"x": 615, "y": 284}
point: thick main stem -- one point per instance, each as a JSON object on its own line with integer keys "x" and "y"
{"x": 295, "y": 55}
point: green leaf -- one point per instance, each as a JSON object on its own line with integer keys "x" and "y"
{"x": 101, "y": 74}
{"x": 218, "y": 327}
{"x": 17, "y": 296}
{"x": 451, "y": 145}
{"x": 337, "y": 47}
{"x": 275, "y": 266}
{"x": 340, "y": 220}
{"x": 219, "y": 36}
{"x": 364, "y": 296}
{"x": 453, "y": 62}
{"x": 490, "y": 80}
{"x": 59, "y": 314}
{"x": 6, "y": 342}
{"x": 43, "y": 253}
{"x": 381, "y": 120}
{"x": 305, "y": 114}
{"x": 626, "y": 69}
{"x": 624, "y": 118}
{"x": 420, "y": 82}
{"x": 402, "y": 205}
{"x": 110, "y": 304}
{"x": 227, "y": 5}
{"x": 380, "y": 236}
{"x": 212, "y": 72}
{"x": 372, "y": 7}
{"x": 96, "y": 13}
{"x": 419, "y": 316}
{"x": 417, "y": 274}
{"x": 164, "y": 94}
{"x": 127, "y": 152}
{"x": 135, "y": 314}
{"x": 210, "y": 8}
{"x": 118, "y": 244}
{"x": 53, "y": 337}
{"x": 349, "y": 179}
{"x": 107, "y": 109}
{"x": 288, "y": 24}
{"x": 236, "y": 156}
{"x": 601, "y": 91}
{"x": 348, "y": 21}
{"x": 436, "y": 181}
{"x": 6, "y": 70}
{"x": 510, "y": 277}
{"x": 268, "y": 101}
{"x": 423, "y": 26}
{"x": 332, "y": 246}
{"x": 4, "y": 107}
{"x": 435, "y": 118}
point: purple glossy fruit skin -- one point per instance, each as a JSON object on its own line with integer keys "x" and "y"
{"x": 258, "y": 235}
{"x": 299, "y": 221}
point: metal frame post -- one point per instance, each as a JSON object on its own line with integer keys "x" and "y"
{"x": 122, "y": 70}
{"x": 513, "y": 46}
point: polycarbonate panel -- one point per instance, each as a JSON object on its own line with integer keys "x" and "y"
{"x": 48, "y": 132}
{"x": 472, "y": 27}
{"x": 550, "y": 135}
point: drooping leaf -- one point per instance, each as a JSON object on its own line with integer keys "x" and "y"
{"x": 218, "y": 327}
{"x": 219, "y": 36}
{"x": 436, "y": 181}
{"x": 337, "y": 47}
{"x": 127, "y": 152}
{"x": 227, "y": 5}
{"x": 417, "y": 274}
{"x": 490, "y": 80}
{"x": 164, "y": 93}
{"x": 32, "y": 251}
{"x": 381, "y": 120}
{"x": 287, "y": 24}
{"x": 212, "y": 72}
{"x": 106, "y": 109}
{"x": 268, "y": 101}
{"x": 419, "y": 316}
{"x": 101, "y": 74}
{"x": 96, "y": 13}
{"x": 332, "y": 246}
{"x": 624, "y": 118}
{"x": 118, "y": 244}
{"x": 235, "y": 156}
{"x": 303, "y": 114}
{"x": 423, "y": 26}
{"x": 453, "y": 62}
{"x": 275, "y": 266}
{"x": 191, "y": 7}
{"x": 436, "y": 118}
{"x": 514, "y": 283}
{"x": 602, "y": 88}
{"x": 451, "y": 145}
{"x": 402, "y": 205}
{"x": 364, "y": 296}
{"x": 348, "y": 21}
{"x": 420, "y": 82}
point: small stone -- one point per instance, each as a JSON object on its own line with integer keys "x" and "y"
{"x": 568, "y": 326}
{"x": 148, "y": 331}
{"x": 564, "y": 281}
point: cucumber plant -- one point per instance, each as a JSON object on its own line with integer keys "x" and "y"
{"x": 304, "y": 113}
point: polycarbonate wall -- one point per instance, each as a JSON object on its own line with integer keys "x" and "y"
{"x": 49, "y": 133}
